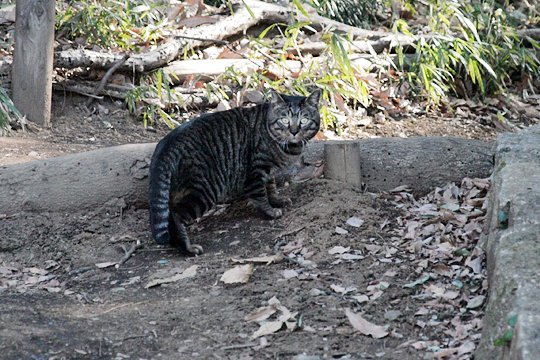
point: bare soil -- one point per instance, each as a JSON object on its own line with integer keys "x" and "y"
{"x": 57, "y": 304}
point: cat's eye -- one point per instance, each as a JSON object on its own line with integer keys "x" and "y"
{"x": 284, "y": 121}
{"x": 304, "y": 121}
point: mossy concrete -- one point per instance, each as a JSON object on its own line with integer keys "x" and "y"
{"x": 513, "y": 249}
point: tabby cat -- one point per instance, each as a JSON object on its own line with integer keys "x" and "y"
{"x": 223, "y": 155}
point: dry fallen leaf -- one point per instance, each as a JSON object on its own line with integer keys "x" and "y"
{"x": 267, "y": 328}
{"x": 342, "y": 290}
{"x": 361, "y": 298}
{"x": 475, "y": 302}
{"x": 107, "y": 264}
{"x": 289, "y": 273}
{"x": 189, "y": 272}
{"x": 261, "y": 313}
{"x": 238, "y": 274}
{"x": 339, "y": 250}
{"x": 350, "y": 257}
{"x": 355, "y": 222}
{"x": 341, "y": 231}
{"x": 270, "y": 259}
{"x": 466, "y": 347}
{"x": 364, "y": 326}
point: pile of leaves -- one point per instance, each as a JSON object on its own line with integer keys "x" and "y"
{"x": 441, "y": 234}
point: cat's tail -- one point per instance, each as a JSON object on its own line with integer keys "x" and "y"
{"x": 161, "y": 172}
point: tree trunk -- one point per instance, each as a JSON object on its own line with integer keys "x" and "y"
{"x": 91, "y": 179}
{"x": 33, "y": 59}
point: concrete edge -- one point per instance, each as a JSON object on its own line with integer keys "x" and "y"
{"x": 513, "y": 250}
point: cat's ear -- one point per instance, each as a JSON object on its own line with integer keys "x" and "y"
{"x": 275, "y": 97}
{"x": 313, "y": 98}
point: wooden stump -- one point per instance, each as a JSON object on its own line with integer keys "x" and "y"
{"x": 33, "y": 59}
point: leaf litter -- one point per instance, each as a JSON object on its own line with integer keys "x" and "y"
{"x": 438, "y": 234}
{"x": 423, "y": 244}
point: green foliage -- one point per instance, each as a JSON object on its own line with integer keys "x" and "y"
{"x": 8, "y": 111}
{"x": 111, "y": 23}
{"x": 150, "y": 99}
{"x": 486, "y": 53}
{"x": 507, "y": 336}
{"x": 360, "y": 13}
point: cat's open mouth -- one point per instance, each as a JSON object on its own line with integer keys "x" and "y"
{"x": 294, "y": 148}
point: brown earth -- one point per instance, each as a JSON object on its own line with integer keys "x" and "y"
{"x": 57, "y": 304}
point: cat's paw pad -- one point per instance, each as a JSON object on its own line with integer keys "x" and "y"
{"x": 280, "y": 202}
{"x": 194, "y": 250}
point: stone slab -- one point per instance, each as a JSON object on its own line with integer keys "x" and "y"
{"x": 513, "y": 249}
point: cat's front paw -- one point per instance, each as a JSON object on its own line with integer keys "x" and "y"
{"x": 280, "y": 201}
{"x": 273, "y": 213}
{"x": 194, "y": 250}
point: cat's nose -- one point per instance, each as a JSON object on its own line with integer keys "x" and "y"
{"x": 294, "y": 129}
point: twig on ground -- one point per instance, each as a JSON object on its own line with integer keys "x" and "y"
{"x": 215, "y": 41}
{"x": 128, "y": 253}
{"x": 239, "y": 346}
{"x": 116, "y": 239}
{"x": 290, "y": 232}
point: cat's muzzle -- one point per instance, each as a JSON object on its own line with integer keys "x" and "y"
{"x": 294, "y": 147}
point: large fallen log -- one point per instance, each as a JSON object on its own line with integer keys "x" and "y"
{"x": 90, "y": 179}
{"x": 421, "y": 162}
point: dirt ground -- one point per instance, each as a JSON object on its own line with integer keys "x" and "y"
{"x": 60, "y": 300}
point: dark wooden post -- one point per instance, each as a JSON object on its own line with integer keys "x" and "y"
{"x": 33, "y": 59}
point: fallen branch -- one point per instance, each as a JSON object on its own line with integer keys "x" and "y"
{"x": 75, "y": 58}
{"x": 206, "y": 70}
{"x": 181, "y": 97}
{"x": 87, "y": 88}
{"x": 238, "y": 23}
{"x": 106, "y": 78}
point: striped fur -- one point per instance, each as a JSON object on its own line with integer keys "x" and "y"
{"x": 224, "y": 155}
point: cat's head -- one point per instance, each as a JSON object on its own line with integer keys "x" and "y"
{"x": 293, "y": 120}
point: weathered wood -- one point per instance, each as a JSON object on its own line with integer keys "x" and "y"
{"x": 206, "y": 69}
{"x": 91, "y": 179}
{"x": 342, "y": 162}
{"x": 75, "y": 181}
{"x": 33, "y": 59}
{"x": 182, "y": 97}
{"x": 143, "y": 62}
{"x": 105, "y": 79}
{"x": 420, "y": 162}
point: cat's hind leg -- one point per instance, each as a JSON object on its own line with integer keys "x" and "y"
{"x": 181, "y": 239}
{"x": 186, "y": 206}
